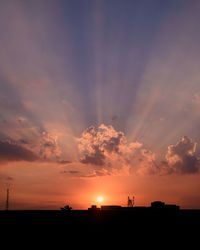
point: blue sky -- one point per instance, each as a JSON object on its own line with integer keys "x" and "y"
{"x": 97, "y": 52}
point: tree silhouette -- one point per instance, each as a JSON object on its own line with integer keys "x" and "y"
{"x": 66, "y": 208}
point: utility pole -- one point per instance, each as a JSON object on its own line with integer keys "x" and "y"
{"x": 7, "y": 200}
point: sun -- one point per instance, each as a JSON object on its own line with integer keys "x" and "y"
{"x": 99, "y": 199}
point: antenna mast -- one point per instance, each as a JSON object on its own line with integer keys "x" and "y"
{"x": 131, "y": 202}
{"x": 7, "y": 200}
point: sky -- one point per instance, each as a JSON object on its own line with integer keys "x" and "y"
{"x": 99, "y": 98}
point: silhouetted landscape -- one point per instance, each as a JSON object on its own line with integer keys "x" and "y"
{"x": 159, "y": 215}
{"x": 111, "y": 225}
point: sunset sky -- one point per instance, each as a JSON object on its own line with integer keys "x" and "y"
{"x": 99, "y": 98}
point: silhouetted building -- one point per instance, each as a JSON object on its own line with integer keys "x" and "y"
{"x": 171, "y": 207}
{"x": 156, "y": 206}
{"x": 112, "y": 207}
{"x": 159, "y": 205}
{"x": 93, "y": 208}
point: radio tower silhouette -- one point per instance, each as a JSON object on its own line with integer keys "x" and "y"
{"x": 7, "y": 200}
{"x": 130, "y": 202}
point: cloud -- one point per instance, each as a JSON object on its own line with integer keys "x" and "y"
{"x": 10, "y": 151}
{"x": 100, "y": 147}
{"x": 85, "y": 174}
{"x": 181, "y": 157}
{"x": 97, "y": 145}
{"x": 48, "y": 147}
{"x": 21, "y": 119}
{"x": 43, "y": 148}
{"x": 108, "y": 151}
{"x": 105, "y": 151}
{"x": 6, "y": 178}
{"x": 63, "y": 162}
{"x": 197, "y": 97}
{"x": 96, "y": 156}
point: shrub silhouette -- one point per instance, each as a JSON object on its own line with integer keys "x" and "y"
{"x": 66, "y": 208}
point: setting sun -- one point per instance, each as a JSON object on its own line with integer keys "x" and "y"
{"x": 100, "y": 199}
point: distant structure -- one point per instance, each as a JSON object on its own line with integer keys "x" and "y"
{"x": 93, "y": 208}
{"x": 130, "y": 202}
{"x": 111, "y": 208}
{"x": 161, "y": 206}
{"x": 156, "y": 207}
{"x": 7, "y": 199}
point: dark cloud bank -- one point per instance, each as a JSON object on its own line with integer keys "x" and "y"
{"x": 10, "y": 151}
{"x": 45, "y": 149}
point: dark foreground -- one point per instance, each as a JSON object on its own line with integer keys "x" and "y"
{"x": 98, "y": 220}
{"x": 43, "y": 229}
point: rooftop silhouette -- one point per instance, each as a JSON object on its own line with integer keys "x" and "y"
{"x": 107, "y": 218}
{"x": 156, "y": 206}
